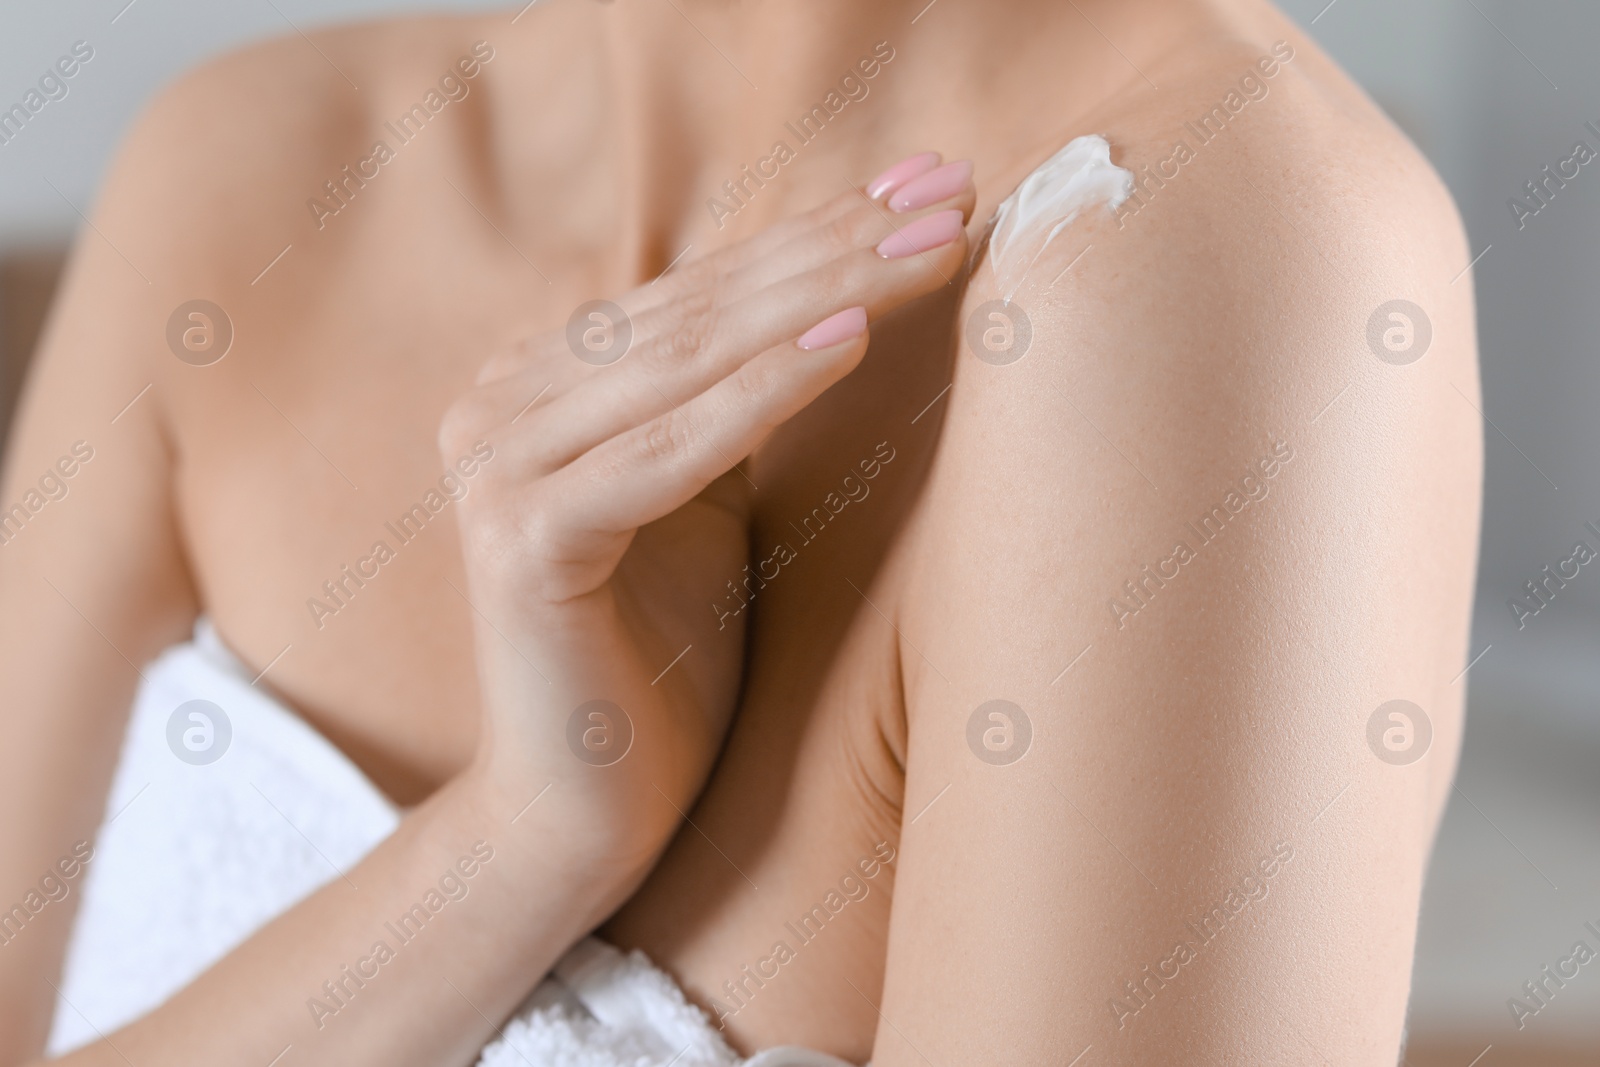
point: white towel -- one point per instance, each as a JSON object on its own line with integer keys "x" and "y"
{"x": 601, "y": 1008}
{"x": 208, "y": 836}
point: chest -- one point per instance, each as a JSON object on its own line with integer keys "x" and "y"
{"x": 319, "y": 513}
{"x": 320, "y": 520}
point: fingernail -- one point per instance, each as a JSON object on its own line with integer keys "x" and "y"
{"x": 835, "y": 329}
{"x": 901, "y": 173}
{"x": 930, "y": 231}
{"x": 932, "y": 187}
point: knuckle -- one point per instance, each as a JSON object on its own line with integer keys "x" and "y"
{"x": 538, "y": 527}
{"x": 696, "y": 274}
{"x": 523, "y": 350}
{"x": 750, "y": 389}
{"x": 846, "y": 203}
{"x": 666, "y": 438}
{"x": 461, "y": 423}
{"x": 839, "y": 279}
{"x": 693, "y": 324}
{"x": 848, "y": 231}
{"x": 519, "y": 547}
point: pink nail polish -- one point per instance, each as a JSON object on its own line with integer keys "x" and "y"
{"x": 901, "y": 173}
{"x": 932, "y": 187}
{"x": 930, "y": 231}
{"x": 835, "y": 329}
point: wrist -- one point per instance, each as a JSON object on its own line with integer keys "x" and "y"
{"x": 555, "y": 835}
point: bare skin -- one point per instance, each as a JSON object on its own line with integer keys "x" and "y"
{"x": 1220, "y": 720}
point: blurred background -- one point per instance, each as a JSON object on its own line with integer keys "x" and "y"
{"x": 1492, "y": 91}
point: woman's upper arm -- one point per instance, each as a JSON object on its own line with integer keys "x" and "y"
{"x": 92, "y": 575}
{"x": 1194, "y": 539}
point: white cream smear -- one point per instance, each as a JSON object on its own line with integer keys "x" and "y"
{"x": 1079, "y": 176}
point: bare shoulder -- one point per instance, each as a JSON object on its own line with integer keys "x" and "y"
{"x": 1278, "y": 262}
{"x": 1281, "y": 118}
{"x": 1281, "y": 272}
{"x": 220, "y": 166}
{"x": 1202, "y": 523}
{"x": 1261, "y": 164}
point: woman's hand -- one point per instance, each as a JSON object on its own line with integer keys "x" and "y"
{"x": 613, "y": 515}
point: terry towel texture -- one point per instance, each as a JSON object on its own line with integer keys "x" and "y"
{"x": 193, "y": 857}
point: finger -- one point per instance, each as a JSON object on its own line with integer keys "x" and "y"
{"x": 526, "y": 351}
{"x": 656, "y": 468}
{"x": 508, "y": 359}
{"x": 726, "y": 262}
{"x": 697, "y": 272}
{"x": 869, "y": 223}
{"x": 714, "y": 343}
{"x": 854, "y": 220}
{"x": 851, "y": 221}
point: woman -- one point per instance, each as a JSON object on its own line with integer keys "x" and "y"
{"x": 1171, "y": 476}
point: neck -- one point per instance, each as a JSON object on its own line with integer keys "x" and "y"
{"x": 777, "y": 49}
{"x": 696, "y": 91}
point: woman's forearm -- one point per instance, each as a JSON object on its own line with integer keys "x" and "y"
{"x": 414, "y": 956}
